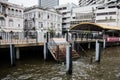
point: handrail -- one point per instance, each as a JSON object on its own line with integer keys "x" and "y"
{"x": 18, "y": 38}
{"x": 54, "y": 46}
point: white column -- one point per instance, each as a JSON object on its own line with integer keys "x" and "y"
{"x": 98, "y": 52}
{"x": 69, "y": 59}
{"x": 12, "y": 54}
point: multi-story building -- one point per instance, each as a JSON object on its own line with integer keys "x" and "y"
{"x": 48, "y": 3}
{"x": 90, "y": 2}
{"x": 66, "y": 11}
{"x": 42, "y": 19}
{"x": 83, "y": 14}
{"x": 108, "y": 14}
{"x": 11, "y": 17}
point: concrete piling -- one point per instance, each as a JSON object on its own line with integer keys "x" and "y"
{"x": 69, "y": 59}
{"x": 98, "y": 52}
{"x": 46, "y": 47}
{"x": 12, "y": 54}
{"x": 45, "y": 51}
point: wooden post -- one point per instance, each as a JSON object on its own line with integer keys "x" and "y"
{"x": 17, "y": 53}
{"x": 98, "y": 52}
{"x": 12, "y": 54}
{"x": 69, "y": 59}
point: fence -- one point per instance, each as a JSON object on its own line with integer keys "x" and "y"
{"x": 21, "y": 37}
{"x": 56, "y": 49}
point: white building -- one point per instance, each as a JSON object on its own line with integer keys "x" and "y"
{"x": 48, "y": 3}
{"x": 66, "y": 11}
{"x": 42, "y": 19}
{"x": 94, "y": 2}
{"x": 83, "y": 14}
{"x": 11, "y": 17}
{"x": 108, "y": 14}
{"x": 90, "y": 2}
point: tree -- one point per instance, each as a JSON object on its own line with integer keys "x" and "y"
{"x": 51, "y": 31}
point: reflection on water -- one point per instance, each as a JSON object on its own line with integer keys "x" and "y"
{"x": 37, "y": 69}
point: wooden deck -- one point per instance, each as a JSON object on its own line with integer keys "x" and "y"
{"x": 20, "y": 43}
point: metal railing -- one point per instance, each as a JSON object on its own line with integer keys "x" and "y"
{"x": 20, "y": 38}
{"x": 55, "y": 48}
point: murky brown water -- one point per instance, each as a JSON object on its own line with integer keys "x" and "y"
{"x": 37, "y": 69}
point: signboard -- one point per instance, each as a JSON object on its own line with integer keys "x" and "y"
{"x": 113, "y": 39}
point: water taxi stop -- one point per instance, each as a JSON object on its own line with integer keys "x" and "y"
{"x": 58, "y": 47}
{"x": 88, "y": 32}
{"x": 82, "y": 34}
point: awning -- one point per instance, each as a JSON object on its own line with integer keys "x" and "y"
{"x": 93, "y": 27}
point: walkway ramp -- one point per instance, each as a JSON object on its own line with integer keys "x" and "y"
{"x": 57, "y": 47}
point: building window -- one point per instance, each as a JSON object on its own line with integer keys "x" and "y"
{"x": 2, "y": 21}
{"x": 16, "y": 12}
{"x": 64, "y": 8}
{"x": 112, "y": 13}
{"x": 101, "y": 8}
{"x": 18, "y": 25}
{"x": 10, "y": 23}
{"x": 30, "y": 24}
{"x": 48, "y": 16}
{"x": 106, "y": 18}
{"x": 40, "y": 24}
{"x": 12, "y": 11}
{"x": 100, "y": 14}
{"x": 3, "y": 9}
{"x": 110, "y": 17}
{"x": 112, "y": 7}
{"x": 39, "y": 15}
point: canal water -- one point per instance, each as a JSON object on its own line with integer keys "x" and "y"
{"x": 31, "y": 66}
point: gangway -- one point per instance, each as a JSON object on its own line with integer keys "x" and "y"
{"x": 57, "y": 47}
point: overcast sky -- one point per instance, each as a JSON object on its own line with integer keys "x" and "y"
{"x": 27, "y": 3}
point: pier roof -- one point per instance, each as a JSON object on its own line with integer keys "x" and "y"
{"x": 93, "y": 27}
